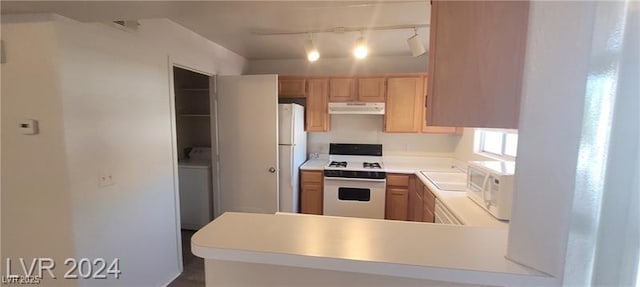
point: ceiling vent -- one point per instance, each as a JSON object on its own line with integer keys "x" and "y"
{"x": 129, "y": 25}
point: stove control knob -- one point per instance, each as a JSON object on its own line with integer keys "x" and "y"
{"x": 272, "y": 169}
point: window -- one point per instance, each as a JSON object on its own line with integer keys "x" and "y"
{"x": 497, "y": 143}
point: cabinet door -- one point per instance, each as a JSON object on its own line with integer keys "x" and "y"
{"x": 426, "y": 128}
{"x": 428, "y": 215}
{"x": 404, "y": 105}
{"x": 429, "y": 205}
{"x": 311, "y": 177}
{"x": 415, "y": 209}
{"x": 417, "y": 205}
{"x": 342, "y": 90}
{"x": 476, "y": 63}
{"x": 311, "y": 198}
{"x": 317, "y": 112}
{"x": 291, "y": 87}
{"x": 397, "y": 203}
{"x": 371, "y": 90}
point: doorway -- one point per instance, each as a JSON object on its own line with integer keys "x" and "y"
{"x": 194, "y": 119}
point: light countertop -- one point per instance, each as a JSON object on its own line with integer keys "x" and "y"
{"x": 464, "y": 209}
{"x": 315, "y": 164}
{"x": 396, "y": 164}
{"x": 450, "y": 253}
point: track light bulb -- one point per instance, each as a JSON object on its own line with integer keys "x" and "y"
{"x": 313, "y": 56}
{"x": 312, "y": 51}
{"x": 360, "y": 51}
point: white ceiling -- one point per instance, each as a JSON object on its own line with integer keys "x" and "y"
{"x": 232, "y": 23}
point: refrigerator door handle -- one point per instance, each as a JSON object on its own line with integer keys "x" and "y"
{"x": 291, "y": 173}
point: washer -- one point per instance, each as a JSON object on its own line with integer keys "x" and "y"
{"x": 196, "y": 197}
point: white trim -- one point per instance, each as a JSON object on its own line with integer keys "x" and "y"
{"x": 174, "y": 152}
{"x": 173, "y": 278}
{"x": 214, "y": 125}
{"x": 174, "y": 162}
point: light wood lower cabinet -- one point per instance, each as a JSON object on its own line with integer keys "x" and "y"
{"x": 416, "y": 206}
{"x": 397, "y": 199}
{"x": 311, "y": 192}
{"x": 407, "y": 198}
{"x": 429, "y": 210}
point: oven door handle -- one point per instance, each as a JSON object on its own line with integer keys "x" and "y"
{"x": 355, "y": 179}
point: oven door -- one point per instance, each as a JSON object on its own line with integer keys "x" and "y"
{"x": 354, "y": 197}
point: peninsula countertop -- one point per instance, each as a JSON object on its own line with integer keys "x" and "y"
{"x": 450, "y": 253}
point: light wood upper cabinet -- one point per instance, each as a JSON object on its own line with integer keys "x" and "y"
{"x": 476, "y": 63}
{"x": 291, "y": 87}
{"x": 371, "y": 89}
{"x": 426, "y": 128}
{"x": 404, "y": 104}
{"x": 317, "y": 107}
{"x": 342, "y": 90}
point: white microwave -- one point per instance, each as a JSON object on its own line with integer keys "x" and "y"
{"x": 490, "y": 185}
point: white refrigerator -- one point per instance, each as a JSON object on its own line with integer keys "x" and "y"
{"x": 292, "y": 150}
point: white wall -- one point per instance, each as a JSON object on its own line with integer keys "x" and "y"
{"x": 605, "y": 211}
{"x": 550, "y": 127}
{"x": 340, "y": 66}
{"x": 189, "y": 49}
{"x": 369, "y": 129}
{"x": 111, "y": 114}
{"x": 465, "y": 149}
{"x": 36, "y": 206}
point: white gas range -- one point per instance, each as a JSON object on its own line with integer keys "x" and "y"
{"x": 354, "y": 181}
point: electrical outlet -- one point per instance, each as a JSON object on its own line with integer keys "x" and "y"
{"x": 105, "y": 179}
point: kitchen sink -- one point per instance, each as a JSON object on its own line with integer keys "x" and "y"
{"x": 449, "y": 181}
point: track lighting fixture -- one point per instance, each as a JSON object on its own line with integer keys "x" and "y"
{"x": 415, "y": 45}
{"x": 312, "y": 51}
{"x": 360, "y": 50}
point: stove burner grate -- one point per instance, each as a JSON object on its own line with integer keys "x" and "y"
{"x": 338, "y": 164}
{"x": 371, "y": 165}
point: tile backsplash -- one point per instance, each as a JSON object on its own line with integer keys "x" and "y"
{"x": 368, "y": 129}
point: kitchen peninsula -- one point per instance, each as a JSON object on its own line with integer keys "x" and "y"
{"x": 287, "y": 249}
{"x": 312, "y": 250}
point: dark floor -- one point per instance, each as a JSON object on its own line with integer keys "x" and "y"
{"x": 193, "y": 272}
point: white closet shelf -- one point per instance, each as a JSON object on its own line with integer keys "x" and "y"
{"x": 195, "y": 115}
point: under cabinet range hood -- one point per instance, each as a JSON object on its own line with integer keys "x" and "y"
{"x": 356, "y": 108}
